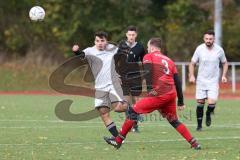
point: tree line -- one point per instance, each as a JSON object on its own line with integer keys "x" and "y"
{"x": 180, "y": 23}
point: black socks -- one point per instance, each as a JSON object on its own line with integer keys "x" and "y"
{"x": 112, "y": 129}
{"x": 199, "y": 112}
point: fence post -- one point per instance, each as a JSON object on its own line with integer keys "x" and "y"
{"x": 233, "y": 78}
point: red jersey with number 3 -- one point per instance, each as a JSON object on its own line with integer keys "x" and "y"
{"x": 163, "y": 69}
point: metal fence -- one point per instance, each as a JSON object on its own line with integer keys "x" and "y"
{"x": 231, "y": 77}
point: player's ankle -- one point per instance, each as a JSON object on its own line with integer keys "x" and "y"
{"x": 119, "y": 139}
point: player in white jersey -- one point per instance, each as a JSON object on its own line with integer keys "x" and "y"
{"x": 107, "y": 82}
{"x": 209, "y": 56}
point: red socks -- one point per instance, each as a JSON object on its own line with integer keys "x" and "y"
{"x": 126, "y": 127}
{"x": 128, "y": 124}
{"x": 182, "y": 129}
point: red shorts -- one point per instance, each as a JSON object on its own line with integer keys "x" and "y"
{"x": 165, "y": 104}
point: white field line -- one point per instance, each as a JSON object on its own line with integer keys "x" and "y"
{"x": 155, "y": 122}
{"x": 85, "y": 124}
{"x": 99, "y": 142}
{"x": 101, "y": 126}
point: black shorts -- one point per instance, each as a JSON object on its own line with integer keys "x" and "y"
{"x": 132, "y": 87}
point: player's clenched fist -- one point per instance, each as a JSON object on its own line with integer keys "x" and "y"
{"x": 192, "y": 79}
{"x": 75, "y": 48}
{"x": 180, "y": 108}
{"x": 77, "y": 52}
{"x": 224, "y": 79}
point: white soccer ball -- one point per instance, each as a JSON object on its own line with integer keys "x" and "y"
{"x": 36, "y": 13}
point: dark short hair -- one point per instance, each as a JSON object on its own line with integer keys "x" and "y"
{"x": 210, "y": 32}
{"x": 156, "y": 42}
{"x": 132, "y": 28}
{"x": 101, "y": 34}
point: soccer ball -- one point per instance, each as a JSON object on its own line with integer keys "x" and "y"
{"x": 36, "y": 13}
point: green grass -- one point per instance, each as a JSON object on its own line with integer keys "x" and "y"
{"x": 20, "y": 77}
{"x": 30, "y": 130}
{"x": 15, "y": 77}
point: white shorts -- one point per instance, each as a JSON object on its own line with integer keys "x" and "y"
{"x": 205, "y": 94}
{"x": 109, "y": 94}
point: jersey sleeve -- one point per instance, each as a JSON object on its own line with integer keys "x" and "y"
{"x": 174, "y": 69}
{"x": 88, "y": 55}
{"x": 143, "y": 53}
{"x": 147, "y": 59}
{"x": 195, "y": 57}
{"x": 222, "y": 56}
{"x": 115, "y": 50}
{"x": 86, "y": 51}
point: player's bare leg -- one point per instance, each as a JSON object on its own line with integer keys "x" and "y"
{"x": 210, "y": 111}
{"x": 199, "y": 113}
{"x": 126, "y": 128}
{"x": 127, "y": 98}
{"x": 105, "y": 116}
{"x": 120, "y": 106}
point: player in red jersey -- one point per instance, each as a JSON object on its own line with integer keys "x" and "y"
{"x": 163, "y": 86}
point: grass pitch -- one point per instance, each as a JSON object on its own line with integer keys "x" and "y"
{"x": 30, "y": 130}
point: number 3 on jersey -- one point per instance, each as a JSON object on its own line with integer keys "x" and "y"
{"x": 166, "y": 69}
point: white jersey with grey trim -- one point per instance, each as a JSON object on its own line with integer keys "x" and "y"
{"x": 209, "y": 60}
{"x": 102, "y": 65}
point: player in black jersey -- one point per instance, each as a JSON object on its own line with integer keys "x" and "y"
{"x": 130, "y": 68}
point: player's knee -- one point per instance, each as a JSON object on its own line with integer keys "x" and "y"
{"x": 131, "y": 114}
{"x": 118, "y": 108}
{"x": 211, "y": 101}
{"x": 122, "y": 106}
{"x": 175, "y": 123}
{"x": 212, "y": 104}
{"x": 105, "y": 116}
{"x": 200, "y": 102}
{"x": 103, "y": 111}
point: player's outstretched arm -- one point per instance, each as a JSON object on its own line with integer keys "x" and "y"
{"x": 178, "y": 85}
{"x": 77, "y": 52}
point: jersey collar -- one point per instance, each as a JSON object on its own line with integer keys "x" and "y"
{"x": 131, "y": 46}
{"x": 156, "y": 52}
